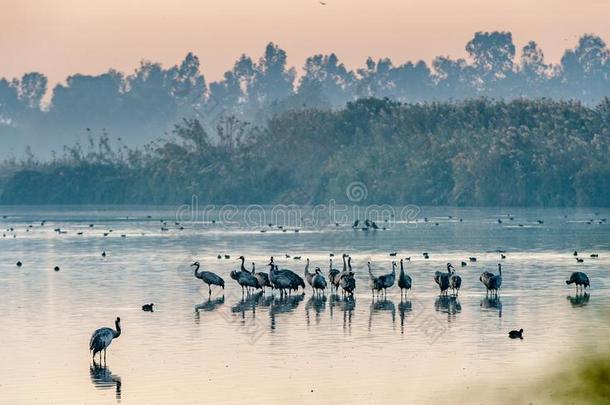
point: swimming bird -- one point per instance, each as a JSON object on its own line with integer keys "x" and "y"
{"x": 495, "y": 282}
{"x": 464, "y": 264}
{"x": 148, "y": 307}
{"x": 104, "y": 253}
{"x": 580, "y": 279}
{"x": 263, "y": 278}
{"x": 308, "y": 275}
{"x": 442, "y": 279}
{"x": 102, "y": 338}
{"x": 455, "y": 282}
{"x": 472, "y": 259}
{"x": 56, "y": 268}
{"x": 318, "y": 283}
{"x": 575, "y": 253}
{"x": 516, "y": 334}
{"x": 19, "y": 264}
{"x": 209, "y": 278}
{"x": 594, "y": 255}
{"x": 579, "y": 260}
{"x": 404, "y": 280}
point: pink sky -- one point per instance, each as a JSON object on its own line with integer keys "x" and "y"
{"x": 60, "y": 37}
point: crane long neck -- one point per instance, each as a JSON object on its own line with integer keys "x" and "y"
{"x": 344, "y": 264}
{"x": 243, "y": 259}
{"x": 196, "y": 269}
{"x": 117, "y": 332}
{"x": 349, "y": 263}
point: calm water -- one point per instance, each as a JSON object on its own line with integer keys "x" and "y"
{"x": 263, "y": 348}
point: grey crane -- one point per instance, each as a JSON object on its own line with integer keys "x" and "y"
{"x": 244, "y": 278}
{"x": 485, "y": 277}
{"x": 333, "y": 275}
{"x": 102, "y": 338}
{"x": 348, "y": 283}
{"x": 279, "y": 280}
{"x": 262, "y": 278}
{"x": 495, "y": 282}
{"x": 455, "y": 282}
{"x": 404, "y": 280}
{"x": 208, "y": 277}
{"x": 374, "y": 282}
{"x": 318, "y": 283}
{"x": 442, "y": 279}
{"x": 580, "y": 279}
{"x": 308, "y": 275}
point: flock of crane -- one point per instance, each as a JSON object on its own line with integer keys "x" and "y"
{"x": 287, "y": 281}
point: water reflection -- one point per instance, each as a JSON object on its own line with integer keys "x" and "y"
{"x": 283, "y": 304}
{"x": 347, "y": 305}
{"x": 579, "y": 300}
{"x": 248, "y": 303}
{"x": 492, "y": 302}
{"x": 318, "y": 304}
{"x": 381, "y": 306}
{"x": 404, "y": 308}
{"x": 103, "y": 379}
{"x": 449, "y": 305}
{"x": 208, "y": 306}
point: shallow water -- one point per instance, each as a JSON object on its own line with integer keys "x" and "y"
{"x": 265, "y": 348}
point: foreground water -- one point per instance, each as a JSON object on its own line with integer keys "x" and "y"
{"x": 263, "y": 348}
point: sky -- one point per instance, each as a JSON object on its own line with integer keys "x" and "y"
{"x": 62, "y": 37}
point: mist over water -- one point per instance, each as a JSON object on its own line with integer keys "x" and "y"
{"x": 231, "y": 349}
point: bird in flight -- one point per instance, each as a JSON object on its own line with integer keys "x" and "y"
{"x": 322, "y": 3}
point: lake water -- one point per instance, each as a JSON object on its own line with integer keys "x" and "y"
{"x": 259, "y": 348}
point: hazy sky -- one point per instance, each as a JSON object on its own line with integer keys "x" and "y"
{"x": 59, "y": 37}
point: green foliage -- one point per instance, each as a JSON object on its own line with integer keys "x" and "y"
{"x": 473, "y": 152}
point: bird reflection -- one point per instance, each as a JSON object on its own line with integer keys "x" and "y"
{"x": 579, "y": 300}
{"x": 318, "y": 304}
{"x": 103, "y": 379}
{"x": 208, "y": 306}
{"x": 492, "y": 302}
{"x": 347, "y": 305}
{"x": 247, "y": 303}
{"x": 449, "y": 305}
{"x": 404, "y": 308}
{"x": 379, "y": 306}
{"x": 283, "y": 304}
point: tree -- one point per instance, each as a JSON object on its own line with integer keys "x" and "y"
{"x": 273, "y": 80}
{"x": 327, "y": 80}
{"x": 493, "y": 54}
{"x": 32, "y": 89}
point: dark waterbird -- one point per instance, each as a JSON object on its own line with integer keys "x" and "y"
{"x": 102, "y": 338}
{"x": 516, "y": 334}
{"x": 263, "y": 278}
{"x": 442, "y": 279}
{"x": 404, "y": 280}
{"x": 208, "y": 277}
{"x": 148, "y": 307}
{"x": 579, "y": 279}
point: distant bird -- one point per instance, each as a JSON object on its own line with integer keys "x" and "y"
{"x": 404, "y": 280}
{"x": 579, "y": 260}
{"x": 426, "y": 255}
{"x": 393, "y": 254}
{"x": 322, "y": 3}
{"x": 442, "y": 279}
{"x": 495, "y": 282}
{"x": 19, "y": 264}
{"x": 356, "y": 222}
{"x": 263, "y": 278}
{"x": 219, "y": 257}
{"x": 499, "y": 221}
{"x": 387, "y": 280}
{"x": 208, "y": 277}
{"x": 318, "y": 283}
{"x": 464, "y": 264}
{"x": 148, "y": 307}
{"x": 309, "y": 275}
{"x": 56, "y": 268}
{"x": 580, "y": 279}
{"x": 472, "y": 259}
{"x": 540, "y": 221}
{"x": 102, "y": 338}
{"x": 455, "y": 282}
{"x": 104, "y": 253}
{"x": 516, "y": 334}
{"x": 575, "y": 253}
{"x": 227, "y": 257}
{"x": 594, "y": 255}
{"x": 502, "y": 256}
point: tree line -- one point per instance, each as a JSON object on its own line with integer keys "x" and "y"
{"x": 475, "y": 152}
{"x": 142, "y": 106}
